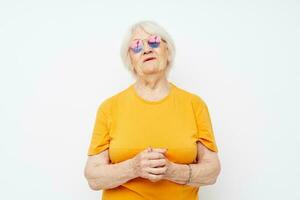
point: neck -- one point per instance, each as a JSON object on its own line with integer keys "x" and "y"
{"x": 152, "y": 81}
{"x": 152, "y": 87}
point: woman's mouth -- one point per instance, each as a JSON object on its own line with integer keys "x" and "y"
{"x": 148, "y": 59}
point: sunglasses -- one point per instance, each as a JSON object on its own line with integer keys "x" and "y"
{"x": 137, "y": 45}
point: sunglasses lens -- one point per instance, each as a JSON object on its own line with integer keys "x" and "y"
{"x": 136, "y": 46}
{"x": 154, "y": 41}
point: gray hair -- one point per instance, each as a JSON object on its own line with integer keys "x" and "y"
{"x": 151, "y": 28}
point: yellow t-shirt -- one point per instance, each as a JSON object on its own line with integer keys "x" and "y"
{"x": 127, "y": 124}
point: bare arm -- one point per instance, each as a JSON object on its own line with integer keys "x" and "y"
{"x": 204, "y": 172}
{"x": 103, "y": 175}
{"x": 100, "y": 174}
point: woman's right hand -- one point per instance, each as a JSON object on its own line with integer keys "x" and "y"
{"x": 150, "y": 164}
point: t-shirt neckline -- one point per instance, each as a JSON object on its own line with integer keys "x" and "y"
{"x": 171, "y": 90}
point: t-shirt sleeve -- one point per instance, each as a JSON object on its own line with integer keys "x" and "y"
{"x": 100, "y": 136}
{"x": 204, "y": 125}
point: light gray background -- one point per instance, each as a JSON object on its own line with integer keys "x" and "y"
{"x": 60, "y": 59}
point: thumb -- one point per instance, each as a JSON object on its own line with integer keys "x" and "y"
{"x": 148, "y": 149}
{"x": 160, "y": 150}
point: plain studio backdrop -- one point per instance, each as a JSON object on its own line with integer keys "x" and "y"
{"x": 60, "y": 60}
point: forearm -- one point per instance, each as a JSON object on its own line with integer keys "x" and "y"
{"x": 203, "y": 173}
{"x": 111, "y": 175}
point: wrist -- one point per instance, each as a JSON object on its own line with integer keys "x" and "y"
{"x": 179, "y": 173}
{"x": 133, "y": 169}
{"x": 170, "y": 170}
{"x": 188, "y": 180}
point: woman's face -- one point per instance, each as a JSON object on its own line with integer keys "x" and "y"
{"x": 159, "y": 55}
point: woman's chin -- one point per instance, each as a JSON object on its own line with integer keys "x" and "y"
{"x": 149, "y": 69}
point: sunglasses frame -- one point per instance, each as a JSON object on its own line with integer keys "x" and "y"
{"x": 143, "y": 43}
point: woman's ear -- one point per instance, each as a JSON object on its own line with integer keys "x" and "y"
{"x": 168, "y": 54}
{"x": 168, "y": 59}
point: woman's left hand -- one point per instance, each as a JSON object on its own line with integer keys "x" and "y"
{"x": 167, "y": 166}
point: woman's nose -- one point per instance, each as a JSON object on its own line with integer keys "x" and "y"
{"x": 147, "y": 49}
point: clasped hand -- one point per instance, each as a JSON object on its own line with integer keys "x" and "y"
{"x": 152, "y": 164}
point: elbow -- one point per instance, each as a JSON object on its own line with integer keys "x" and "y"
{"x": 94, "y": 183}
{"x": 94, "y": 186}
{"x": 217, "y": 171}
{"x": 91, "y": 181}
{"x": 212, "y": 177}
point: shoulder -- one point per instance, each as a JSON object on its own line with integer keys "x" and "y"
{"x": 193, "y": 98}
{"x": 108, "y": 103}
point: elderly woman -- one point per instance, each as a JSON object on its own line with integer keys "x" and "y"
{"x": 152, "y": 140}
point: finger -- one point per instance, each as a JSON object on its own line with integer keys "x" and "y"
{"x": 154, "y": 177}
{"x": 161, "y": 150}
{"x": 154, "y": 155}
{"x": 148, "y": 149}
{"x": 157, "y": 171}
{"x": 157, "y": 163}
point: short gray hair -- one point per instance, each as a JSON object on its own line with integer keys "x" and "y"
{"x": 150, "y": 27}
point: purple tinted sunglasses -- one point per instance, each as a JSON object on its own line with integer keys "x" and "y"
{"x": 137, "y": 45}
